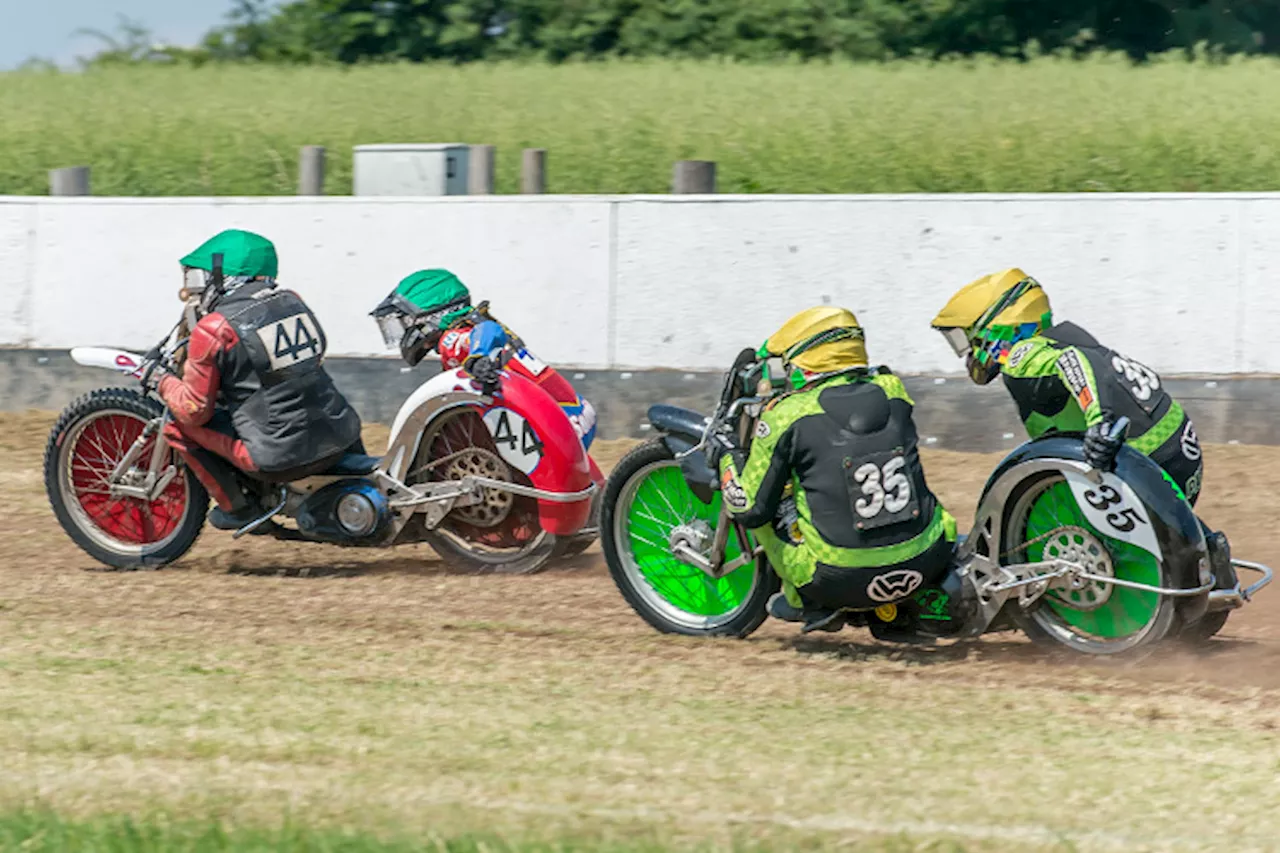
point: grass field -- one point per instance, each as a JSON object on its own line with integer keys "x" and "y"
{"x": 269, "y": 696}
{"x": 1050, "y": 125}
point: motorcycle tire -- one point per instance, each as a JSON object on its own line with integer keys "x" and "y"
{"x": 572, "y": 547}
{"x": 474, "y": 560}
{"x": 1211, "y": 623}
{"x": 638, "y": 514}
{"x": 1205, "y": 629}
{"x": 90, "y": 437}
{"x": 1120, "y": 623}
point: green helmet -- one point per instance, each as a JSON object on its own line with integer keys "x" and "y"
{"x": 416, "y": 313}
{"x": 243, "y": 254}
{"x": 245, "y": 257}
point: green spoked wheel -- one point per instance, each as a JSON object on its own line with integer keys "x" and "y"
{"x": 1046, "y": 523}
{"x": 648, "y": 506}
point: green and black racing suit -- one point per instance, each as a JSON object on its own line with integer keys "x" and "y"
{"x": 1064, "y": 380}
{"x": 868, "y": 530}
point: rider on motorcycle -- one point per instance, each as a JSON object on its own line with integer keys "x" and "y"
{"x": 867, "y": 530}
{"x": 1063, "y": 380}
{"x": 430, "y": 310}
{"x": 253, "y": 392}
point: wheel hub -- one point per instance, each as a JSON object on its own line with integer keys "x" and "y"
{"x": 696, "y": 536}
{"x": 494, "y": 505}
{"x": 1079, "y": 546}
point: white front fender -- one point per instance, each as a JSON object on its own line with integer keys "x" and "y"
{"x": 448, "y": 389}
{"x": 121, "y": 361}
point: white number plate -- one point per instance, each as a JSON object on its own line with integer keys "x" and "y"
{"x": 290, "y": 341}
{"x": 530, "y": 362}
{"x": 1113, "y": 509}
{"x": 515, "y": 439}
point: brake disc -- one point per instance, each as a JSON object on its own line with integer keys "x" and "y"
{"x": 1079, "y": 546}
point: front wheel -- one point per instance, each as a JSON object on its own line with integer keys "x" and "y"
{"x": 645, "y": 501}
{"x": 86, "y": 445}
{"x": 1045, "y": 523}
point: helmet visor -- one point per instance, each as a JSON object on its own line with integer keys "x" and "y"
{"x": 393, "y": 327}
{"x": 958, "y": 340}
{"x": 193, "y": 279}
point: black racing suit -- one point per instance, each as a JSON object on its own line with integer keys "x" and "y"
{"x": 1064, "y": 380}
{"x": 254, "y": 392}
{"x": 868, "y": 529}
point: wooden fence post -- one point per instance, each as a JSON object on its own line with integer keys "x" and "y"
{"x": 311, "y": 170}
{"x": 533, "y": 171}
{"x": 73, "y": 180}
{"x": 481, "y": 170}
{"x": 694, "y": 176}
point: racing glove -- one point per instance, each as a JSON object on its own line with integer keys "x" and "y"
{"x": 487, "y": 372}
{"x": 1101, "y": 444}
{"x": 719, "y": 443}
{"x": 154, "y": 369}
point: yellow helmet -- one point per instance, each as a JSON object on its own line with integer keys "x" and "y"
{"x": 819, "y": 340}
{"x": 985, "y": 318}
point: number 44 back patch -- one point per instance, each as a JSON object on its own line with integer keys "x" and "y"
{"x": 291, "y": 340}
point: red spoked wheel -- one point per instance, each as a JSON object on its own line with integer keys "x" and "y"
{"x": 87, "y": 444}
{"x": 501, "y": 532}
{"x": 98, "y": 445}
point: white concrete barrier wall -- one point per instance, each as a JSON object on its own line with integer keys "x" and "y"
{"x": 1184, "y": 282}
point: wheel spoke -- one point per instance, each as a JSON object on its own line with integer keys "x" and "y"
{"x": 656, "y": 501}
{"x": 90, "y": 457}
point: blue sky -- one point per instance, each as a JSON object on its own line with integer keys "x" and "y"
{"x": 44, "y": 27}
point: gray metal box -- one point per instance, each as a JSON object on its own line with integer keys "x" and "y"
{"x": 411, "y": 169}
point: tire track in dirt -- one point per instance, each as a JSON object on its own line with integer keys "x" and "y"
{"x": 253, "y": 585}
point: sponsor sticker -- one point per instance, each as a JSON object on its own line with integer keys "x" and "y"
{"x": 1190, "y": 443}
{"x": 734, "y": 494}
{"x": 894, "y": 586}
{"x": 1073, "y": 372}
{"x": 1193, "y": 483}
{"x": 762, "y": 429}
{"x": 1018, "y": 353}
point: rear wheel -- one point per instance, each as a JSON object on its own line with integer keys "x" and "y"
{"x": 501, "y": 533}
{"x": 645, "y": 502}
{"x": 1045, "y": 523}
{"x": 86, "y": 445}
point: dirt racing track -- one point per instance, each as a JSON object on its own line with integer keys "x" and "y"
{"x": 384, "y": 690}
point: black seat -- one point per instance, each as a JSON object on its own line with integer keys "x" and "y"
{"x": 347, "y": 465}
{"x": 353, "y": 465}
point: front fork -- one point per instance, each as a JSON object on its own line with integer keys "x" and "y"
{"x": 127, "y": 481}
{"x": 688, "y": 542}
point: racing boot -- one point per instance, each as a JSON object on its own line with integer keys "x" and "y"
{"x": 236, "y": 519}
{"x": 813, "y": 619}
{"x": 245, "y": 510}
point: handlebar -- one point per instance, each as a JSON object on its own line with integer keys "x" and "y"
{"x": 161, "y": 355}
{"x": 1120, "y": 429}
{"x": 728, "y": 409}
